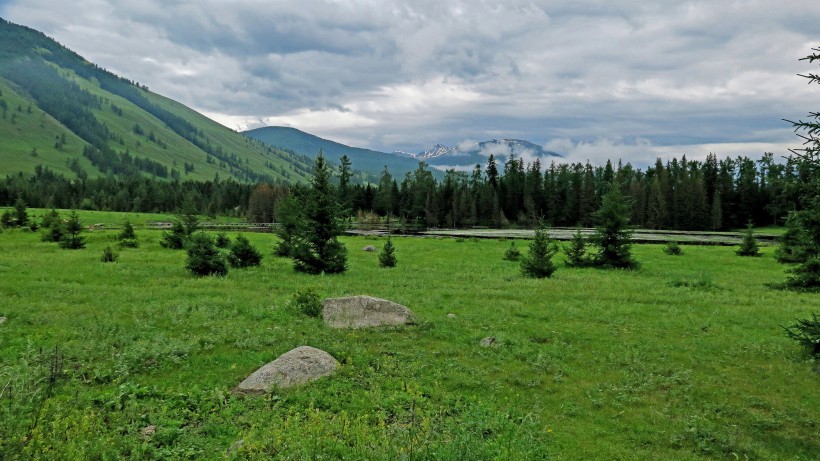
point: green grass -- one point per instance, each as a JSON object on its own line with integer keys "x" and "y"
{"x": 682, "y": 359}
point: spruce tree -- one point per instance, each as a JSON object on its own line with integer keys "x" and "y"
{"x": 20, "y": 214}
{"x": 613, "y": 232}
{"x": 387, "y": 257}
{"x": 127, "y": 237}
{"x": 289, "y": 218}
{"x": 576, "y": 252}
{"x": 71, "y": 239}
{"x": 316, "y": 248}
{"x": 109, "y": 255}
{"x": 222, "y": 240}
{"x": 243, "y": 254}
{"x": 176, "y": 238}
{"x": 204, "y": 258}
{"x": 512, "y": 253}
{"x": 749, "y": 246}
{"x": 806, "y": 275}
{"x": 538, "y": 262}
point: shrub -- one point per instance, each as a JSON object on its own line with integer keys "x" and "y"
{"x": 109, "y": 255}
{"x": 243, "y": 254}
{"x": 749, "y": 246}
{"x": 512, "y": 253}
{"x": 175, "y": 238}
{"x": 805, "y": 276}
{"x": 307, "y": 301}
{"x": 576, "y": 252}
{"x": 222, "y": 240}
{"x": 54, "y": 232}
{"x": 128, "y": 238}
{"x": 538, "y": 262}
{"x": 672, "y": 249}
{"x": 387, "y": 257}
{"x": 613, "y": 233}
{"x": 71, "y": 239}
{"x": 807, "y": 333}
{"x": 204, "y": 258}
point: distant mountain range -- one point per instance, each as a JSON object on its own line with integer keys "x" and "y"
{"x": 439, "y": 157}
{"x": 62, "y": 112}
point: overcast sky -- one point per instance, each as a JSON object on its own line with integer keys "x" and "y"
{"x": 591, "y": 79}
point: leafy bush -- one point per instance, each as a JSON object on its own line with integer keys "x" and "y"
{"x": 672, "y": 249}
{"x": 538, "y": 262}
{"x": 243, "y": 254}
{"x": 204, "y": 258}
{"x": 807, "y": 333}
{"x": 387, "y": 257}
{"x": 512, "y": 253}
{"x": 307, "y": 301}
{"x": 109, "y": 255}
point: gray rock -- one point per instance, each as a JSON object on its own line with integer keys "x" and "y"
{"x": 292, "y": 368}
{"x": 451, "y": 315}
{"x": 363, "y": 312}
{"x": 489, "y": 341}
{"x": 369, "y": 248}
{"x": 2, "y": 320}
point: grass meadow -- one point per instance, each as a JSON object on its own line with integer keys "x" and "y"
{"x": 682, "y": 359}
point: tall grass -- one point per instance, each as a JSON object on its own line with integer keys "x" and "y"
{"x": 682, "y": 359}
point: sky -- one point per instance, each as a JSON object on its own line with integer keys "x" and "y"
{"x": 591, "y": 79}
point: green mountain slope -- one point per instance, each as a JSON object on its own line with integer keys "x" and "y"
{"x": 58, "y": 110}
{"x": 300, "y": 142}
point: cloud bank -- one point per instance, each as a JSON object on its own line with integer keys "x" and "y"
{"x": 622, "y": 79}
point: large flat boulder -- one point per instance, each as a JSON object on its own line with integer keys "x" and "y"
{"x": 364, "y": 312}
{"x": 292, "y": 368}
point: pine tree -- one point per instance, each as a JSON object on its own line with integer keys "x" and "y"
{"x": 613, "y": 233}
{"x": 204, "y": 258}
{"x": 807, "y": 159}
{"x": 387, "y": 257}
{"x": 176, "y": 238}
{"x": 538, "y": 262}
{"x": 576, "y": 252}
{"x": 109, "y": 255}
{"x": 71, "y": 239}
{"x": 243, "y": 254}
{"x": 127, "y": 237}
{"x": 749, "y": 246}
{"x": 20, "y": 214}
{"x": 672, "y": 249}
{"x": 316, "y": 249}
{"x": 289, "y": 217}
{"x": 222, "y": 240}
{"x": 512, "y": 253}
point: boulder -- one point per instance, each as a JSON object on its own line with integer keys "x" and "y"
{"x": 363, "y": 312}
{"x": 2, "y": 320}
{"x": 369, "y": 248}
{"x": 292, "y": 368}
{"x": 451, "y": 315}
{"x": 489, "y": 341}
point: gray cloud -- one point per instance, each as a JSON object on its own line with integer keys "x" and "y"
{"x": 597, "y": 78}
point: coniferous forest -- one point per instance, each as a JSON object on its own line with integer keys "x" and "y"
{"x": 682, "y": 194}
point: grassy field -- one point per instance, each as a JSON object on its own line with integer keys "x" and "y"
{"x": 682, "y": 359}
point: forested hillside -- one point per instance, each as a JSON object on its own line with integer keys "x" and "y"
{"x": 66, "y": 114}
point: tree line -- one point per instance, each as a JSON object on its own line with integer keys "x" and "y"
{"x": 714, "y": 194}
{"x": 679, "y": 194}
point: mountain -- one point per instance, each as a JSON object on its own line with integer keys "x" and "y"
{"x": 466, "y": 157}
{"x": 61, "y": 112}
{"x": 299, "y": 142}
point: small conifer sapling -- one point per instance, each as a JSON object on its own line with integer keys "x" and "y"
{"x": 538, "y": 262}
{"x": 387, "y": 257}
